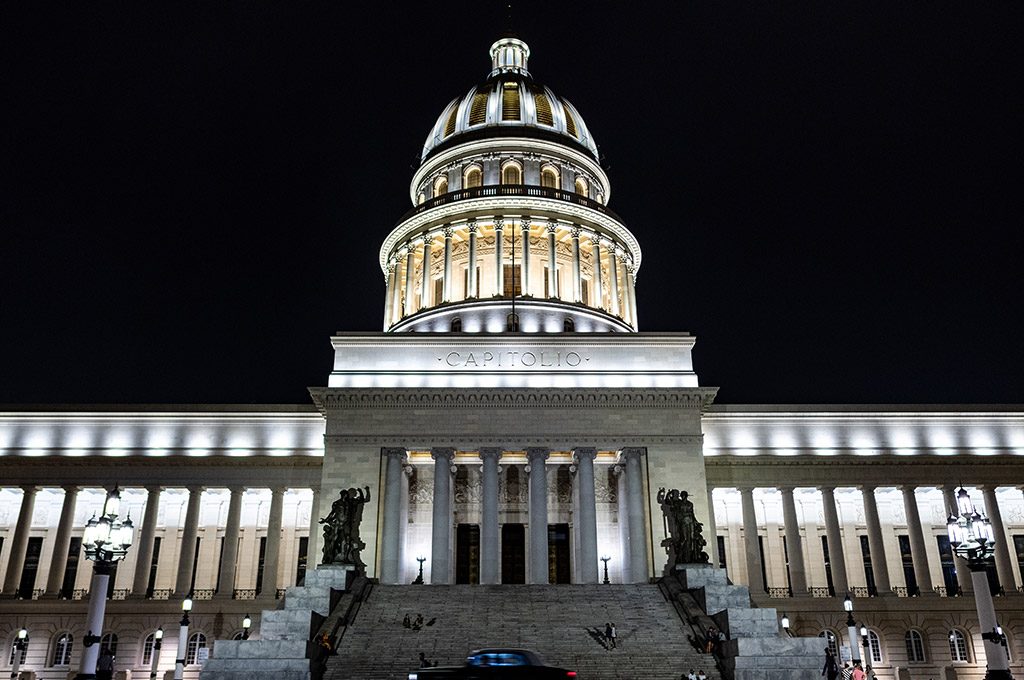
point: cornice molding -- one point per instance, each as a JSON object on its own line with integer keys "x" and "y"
{"x": 327, "y": 398}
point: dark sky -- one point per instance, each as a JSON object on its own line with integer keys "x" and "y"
{"x": 828, "y": 194}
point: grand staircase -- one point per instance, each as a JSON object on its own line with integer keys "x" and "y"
{"x": 563, "y": 623}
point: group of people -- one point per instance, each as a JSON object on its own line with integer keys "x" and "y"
{"x": 423, "y": 663}
{"x": 417, "y": 623}
{"x": 847, "y": 672}
{"x": 712, "y": 639}
{"x": 610, "y": 635}
{"x": 699, "y": 675}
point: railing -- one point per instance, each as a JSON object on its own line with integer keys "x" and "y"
{"x": 510, "y": 190}
{"x": 244, "y": 594}
{"x": 203, "y": 594}
{"x": 79, "y": 593}
{"x": 863, "y": 591}
{"x": 822, "y": 591}
{"x": 160, "y": 594}
{"x": 943, "y": 591}
{"x": 901, "y": 591}
{"x": 120, "y": 594}
{"x": 776, "y": 593}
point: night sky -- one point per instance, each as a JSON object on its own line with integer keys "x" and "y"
{"x": 828, "y": 195}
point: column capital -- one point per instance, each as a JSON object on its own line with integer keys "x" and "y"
{"x": 237, "y": 488}
{"x": 499, "y": 223}
{"x": 391, "y": 266}
{"x": 277, "y": 490}
{"x": 195, "y": 488}
{"x": 537, "y": 454}
{"x": 29, "y": 489}
{"x": 407, "y": 470}
{"x": 443, "y": 453}
{"x": 490, "y": 452}
{"x": 394, "y": 452}
{"x": 589, "y": 452}
{"x": 595, "y": 240}
{"x": 448, "y": 230}
{"x": 988, "y": 488}
{"x": 618, "y": 470}
{"x": 746, "y": 488}
{"x": 552, "y": 227}
{"x": 905, "y": 488}
{"x": 472, "y": 227}
{"x": 155, "y": 488}
{"x": 867, "y": 488}
{"x": 827, "y": 488}
{"x": 403, "y": 251}
{"x": 786, "y": 489}
{"x": 632, "y": 452}
{"x": 576, "y": 230}
{"x": 71, "y": 488}
{"x": 525, "y": 224}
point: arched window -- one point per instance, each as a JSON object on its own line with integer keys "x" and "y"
{"x": 875, "y": 647}
{"x": 512, "y": 323}
{"x": 421, "y": 198}
{"x": 474, "y": 178}
{"x": 441, "y": 186}
{"x": 831, "y": 641}
{"x": 147, "y": 650}
{"x": 62, "y": 650}
{"x": 958, "y": 646}
{"x": 196, "y": 641}
{"x": 109, "y": 643}
{"x": 581, "y": 187}
{"x": 456, "y": 325}
{"x": 568, "y": 325}
{"x": 238, "y": 636}
{"x": 915, "y": 647}
{"x": 511, "y": 174}
{"x": 14, "y": 649}
{"x": 549, "y": 177}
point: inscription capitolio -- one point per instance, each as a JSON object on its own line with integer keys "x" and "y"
{"x": 513, "y": 359}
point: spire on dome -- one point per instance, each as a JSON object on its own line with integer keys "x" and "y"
{"x": 509, "y": 54}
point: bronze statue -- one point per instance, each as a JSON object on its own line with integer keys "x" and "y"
{"x": 341, "y": 529}
{"x": 685, "y": 542}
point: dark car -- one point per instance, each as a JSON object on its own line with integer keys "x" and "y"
{"x": 496, "y": 663}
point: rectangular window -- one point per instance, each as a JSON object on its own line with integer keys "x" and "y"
{"x": 721, "y": 552}
{"x": 869, "y": 572}
{"x": 546, "y": 283}
{"x": 512, "y": 282}
{"x": 828, "y": 566}
{"x": 948, "y": 565}
{"x": 1018, "y": 547}
{"x": 220, "y": 562}
{"x": 195, "y": 565}
{"x": 785, "y": 555}
{"x": 67, "y": 587}
{"x": 260, "y": 564}
{"x": 908, "y": 565}
{"x": 152, "y": 567}
{"x": 764, "y": 567}
{"x": 300, "y": 568}
{"x": 28, "y": 573}
{"x": 438, "y": 291}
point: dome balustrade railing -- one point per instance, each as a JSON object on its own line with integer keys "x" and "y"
{"x": 497, "y": 190}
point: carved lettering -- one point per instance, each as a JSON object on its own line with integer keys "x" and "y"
{"x": 547, "y": 359}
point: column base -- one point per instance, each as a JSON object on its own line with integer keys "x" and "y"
{"x": 998, "y": 675}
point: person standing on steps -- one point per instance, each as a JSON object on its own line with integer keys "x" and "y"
{"x": 615, "y": 635}
{"x": 831, "y": 669}
{"x": 608, "y": 635}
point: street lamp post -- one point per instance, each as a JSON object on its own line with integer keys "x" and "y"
{"x": 179, "y": 662}
{"x": 864, "y": 641}
{"x": 605, "y": 558}
{"x": 970, "y": 534}
{"x": 419, "y": 579}
{"x": 851, "y": 626}
{"x": 106, "y": 541}
{"x": 785, "y": 624}
{"x": 158, "y": 637}
{"x": 246, "y": 625}
{"x": 20, "y": 644}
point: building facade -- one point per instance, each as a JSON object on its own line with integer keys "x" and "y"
{"x": 513, "y": 424}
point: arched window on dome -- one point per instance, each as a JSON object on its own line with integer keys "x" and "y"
{"x": 440, "y": 186}
{"x": 474, "y": 177}
{"x": 568, "y": 325}
{"x": 915, "y": 646}
{"x": 421, "y": 198}
{"x": 549, "y": 177}
{"x": 958, "y": 648}
{"x": 511, "y": 173}
{"x": 456, "y": 325}
{"x": 512, "y": 323}
{"x": 581, "y": 187}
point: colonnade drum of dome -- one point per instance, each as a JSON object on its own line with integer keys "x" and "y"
{"x": 510, "y": 229}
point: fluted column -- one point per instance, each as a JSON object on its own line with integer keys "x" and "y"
{"x": 441, "y": 522}
{"x": 631, "y": 294}
{"x": 499, "y": 257}
{"x": 229, "y": 551}
{"x": 390, "y": 565}
{"x": 536, "y": 456}
{"x": 144, "y": 544}
{"x": 19, "y": 544}
{"x": 389, "y": 296}
{"x": 428, "y": 250}
{"x": 577, "y": 278}
{"x": 446, "y": 288}
{"x": 595, "y": 251}
{"x": 622, "y": 502}
{"x": 751, "y": 546}
{"x": 187, "y": 554}
{"x": 552, "y": 261}
{"x": 917, "y": 544}
{"x": 963, "y": 571}
{"x": 1003, "y": 565}
{"x": 272, "y": 560}
{"x": 879, "y": 567}
{"x": 524, "y": 232}
{"x": 613, "y": 279}
{"x": 639, "y": 569}
{"x": 794, "y": 543}
{"x": 627, "y": 311}
{"x": 471, "y": 291}
{"x": 584, "y": 458}
{"x": 836, "y": 554}
{"x": 410, "y": 262}
{"x": 490, "y": 553}
{"x": 59, "y": 556}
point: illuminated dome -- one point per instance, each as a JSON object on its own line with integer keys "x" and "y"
{"x": 510, "y": 229}
{"x": 509, "y": 102}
